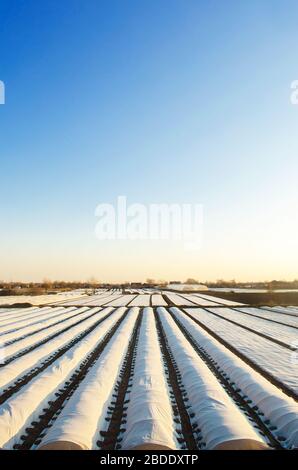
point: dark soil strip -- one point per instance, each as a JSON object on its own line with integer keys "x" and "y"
{"x": 258, "y": 333}
{"x": 12, "y": 389}
{"x": 288, "y": 391}
{"x": 174, "y": 380}
{"x": 37, "y": 431}
{"x": 45, "y": 340}
{"x": 118, "y": 408}
{"x": 16, "y": 340}
{"x": 215, "y": 368}
{"x": 164, "y": 297}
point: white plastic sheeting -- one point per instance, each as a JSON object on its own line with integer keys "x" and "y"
{"x": 84, "y": 415}
{"x": 282, "y": 411}
{"x": 271, "y": 357}
{"x": 216, "y": 414}
{"x": 26, "y": 405}
{"x": 149, "y": 413}
{"x": 23, "y": 364}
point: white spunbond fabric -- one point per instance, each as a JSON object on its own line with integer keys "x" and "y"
{"x": 15, "y": 321}
{"x": 149, "y": 413}
{"x": 142, "y": 300}
{"x": 217, "y": 299}
{"x": 26, "y": 405}
{"x": 84, "y": 415}
{"x": 177, "y": 300}
{"x": 282, "y": 411}
{"x": 5, "y": 313}
{"x": 106, "y": 301}
{"x": 216, "y": 414}
{"x": 293, "y": 311}
{"x": 56, "y": 316}
{"x": 199, "y": 300}
{"x": 158, "y": 300}
{"x": 283, "y": 333}
{"x": 98, "y": 300}
{"x": 23, "y": 364}
{"x": 262, "y": 313}
{"x": 122, "y": 302}
{"x": 47, "y": 299}
{"x": 28, "y": 341}
{"x": 274, "y": 359}
{"x": 80, "y": 302}
{"x": 17, "y": 324}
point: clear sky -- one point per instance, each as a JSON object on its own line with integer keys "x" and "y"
{"x": 177, "y": 101}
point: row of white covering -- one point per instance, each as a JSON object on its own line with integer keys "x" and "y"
{"x": 84, "y": 415}
{"x": 281, "y": 410}
{"x": 26, "y": 405}
{"x": 272, "y": 358}
{"x": 96, "y": 299}
{"x": 16, "y": 320}
{"x": 57, "y": 315}
{"x": 282, "y": 333}
{"x": 217, "y": 416}
{"x": 149, "y": 413}
{"x": 4, "y": 312}
{"x": 38, "y": 336}
{"x": 289, "y": 320}
{"x": 20, "y": 366}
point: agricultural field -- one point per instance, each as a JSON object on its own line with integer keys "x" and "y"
{"x": 148, "y": 369}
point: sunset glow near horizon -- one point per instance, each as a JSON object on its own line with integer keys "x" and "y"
{"x": 163, "y": 102}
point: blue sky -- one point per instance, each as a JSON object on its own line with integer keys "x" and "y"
{"x": 161, "y": 101}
